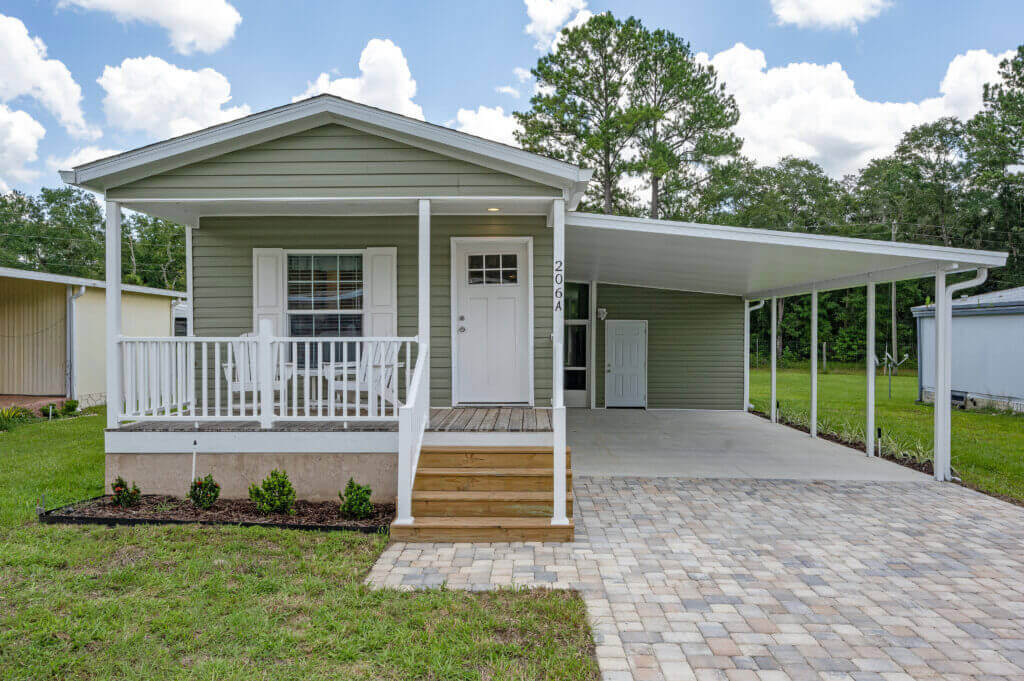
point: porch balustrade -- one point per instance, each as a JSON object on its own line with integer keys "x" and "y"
{"x": 260, "y": 377}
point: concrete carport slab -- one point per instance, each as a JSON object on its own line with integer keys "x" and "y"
{"x": 712, "y": 444}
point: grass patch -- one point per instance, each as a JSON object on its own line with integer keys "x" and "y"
{"x": 986, "y": 445}
{"x": 153, "y": 603}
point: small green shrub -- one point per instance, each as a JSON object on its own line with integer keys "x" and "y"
{"x": 355, "y": 501}
{"x": 50, "y": 411}
{"x": 275, "y": 495}
{"x": 11, "y": 416}
{"x": 69, "y": 407}
{"x": 124, "y": 495}
{"x": 204, "y": 492}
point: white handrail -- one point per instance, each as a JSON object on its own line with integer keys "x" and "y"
{"x": 412, "y": 422}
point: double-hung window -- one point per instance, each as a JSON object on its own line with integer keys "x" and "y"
{"x": 325, "y": 294}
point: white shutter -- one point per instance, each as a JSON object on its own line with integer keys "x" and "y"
{"x": 268, "y": 288}
{"x": 380, "y": 292}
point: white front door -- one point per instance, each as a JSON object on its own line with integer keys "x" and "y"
{"x": 491, "y": 321}
{"x": 625, "y": 383}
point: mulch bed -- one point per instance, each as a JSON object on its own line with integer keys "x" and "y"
{"x": 154, "y": 509}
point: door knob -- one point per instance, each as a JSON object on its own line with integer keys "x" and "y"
{"x": 462, "y": 329}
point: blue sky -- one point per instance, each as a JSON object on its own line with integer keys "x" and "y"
{"x": 812, "y": 76}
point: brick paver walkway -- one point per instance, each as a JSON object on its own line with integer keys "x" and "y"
{"x": 749, "y": 580}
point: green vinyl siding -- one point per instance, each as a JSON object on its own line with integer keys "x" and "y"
{"x": 694, "y": 345}
{"x": 329, "y": 161}
{"x": 222, "y": 274}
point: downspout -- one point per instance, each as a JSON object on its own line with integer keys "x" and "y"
{"x": 746, "y": 350}
{"x": 72, "y": 387}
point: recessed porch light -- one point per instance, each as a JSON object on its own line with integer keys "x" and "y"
{"x": 493, "y": 210}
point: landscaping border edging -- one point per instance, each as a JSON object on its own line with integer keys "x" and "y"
{"x": 51, "y": 517}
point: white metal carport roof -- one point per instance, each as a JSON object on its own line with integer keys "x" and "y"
{"x": 738, "y": 261}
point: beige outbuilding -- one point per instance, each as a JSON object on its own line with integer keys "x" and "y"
{"x": 53, "y": 334}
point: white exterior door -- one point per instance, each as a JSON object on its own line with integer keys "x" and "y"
{"x": 625, "y": 383}
{"x": 491, "y": 321}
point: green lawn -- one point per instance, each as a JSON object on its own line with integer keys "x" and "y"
{"x": 152, "y": 603}
{"x": 988, "y": 447}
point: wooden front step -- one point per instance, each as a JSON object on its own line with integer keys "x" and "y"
{"x": 449, "y": 503}
{"x": 485, "y": 529}
{"x": 487, "y": 479}
{"x": 485, "y": 494}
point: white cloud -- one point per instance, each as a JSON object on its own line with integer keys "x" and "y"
{"x": 148, "y": 94}
{"x": 492, "y": 123}
{"x": 814, "y": 111}
{"x": 19, "y": 143}
{"x": 507, "y": 90}
{"x": 78, "y": 157}
{"x": 25, "y": 71}
{"x": 548, "y": 17}
{"x": 522, "y": 75}
{"x": 193, "y": 25}
{"x": 384, "y": 81}
{"x": 828, "y": 13}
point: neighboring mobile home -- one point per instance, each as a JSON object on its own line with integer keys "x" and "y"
{"x": 367, "y": 288}
{"x": 53, "y": 332}
{"x": 988, "y": 362}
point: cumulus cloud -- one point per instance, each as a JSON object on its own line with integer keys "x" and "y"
{"x": 492, "y": 123}
{"x": 833, "y": 14}
{"x": 193, "y": 25}
{"x": 19, "y": 143}
{"x": 814, "y": 111}
{"x": 522, "y": 75}
{"x": 548, "y": 17}
{"x": 384, "y": 81}
{"x": 507, "y": 90}
{"x": 26, "y": 71}
{"x": 78, "y": 157}
{"x": 163, "y": 100}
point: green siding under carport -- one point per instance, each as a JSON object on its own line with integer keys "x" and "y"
{"x": 694, "y": 345}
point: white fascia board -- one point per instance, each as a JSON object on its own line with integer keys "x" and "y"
{"x": 14, "y": 273}
{"x": 963, "y": 256}
{"x": 912, "y": 271}
{"x": 313, "y": 112}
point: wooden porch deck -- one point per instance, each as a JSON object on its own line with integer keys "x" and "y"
{"x": 451, "y": 420}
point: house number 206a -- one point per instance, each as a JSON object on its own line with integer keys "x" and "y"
{"x": 559, "y": 280}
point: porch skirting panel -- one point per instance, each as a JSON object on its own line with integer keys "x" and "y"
{"x": 315, "y": 476}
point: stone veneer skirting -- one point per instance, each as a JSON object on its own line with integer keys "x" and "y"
{"x": 316, "y": 477}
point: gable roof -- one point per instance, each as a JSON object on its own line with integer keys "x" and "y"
{"x": 32, "y": 275}
{"x": 322, "y": 109}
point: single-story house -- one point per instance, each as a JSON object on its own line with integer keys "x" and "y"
{"x": 378, "y": 297}
{"x": 52, "y": 329}
{"x": 988, "y": 350}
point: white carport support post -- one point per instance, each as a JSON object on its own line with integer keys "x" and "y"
{"x": 747, "y": 309}
{"x": 558, "y": 516}
{"x": 869, "y": 354}
{"x": 944, "y": 368}
{"x": 813, "y": 425}
{"x": 113, "y": 312}
{"x": 775, "y": 324}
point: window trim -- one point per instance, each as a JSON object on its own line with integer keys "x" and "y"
{"x": 288, "y": 312}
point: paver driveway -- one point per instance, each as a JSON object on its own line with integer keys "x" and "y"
{"x": 771, "y": 580}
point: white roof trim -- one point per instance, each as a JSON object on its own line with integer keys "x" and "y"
{"x": 963, "y": 256}
{"x": 15, "y": 273}
{"x": 321, "y": 110}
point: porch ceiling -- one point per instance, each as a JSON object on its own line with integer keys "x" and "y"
{"x": 753, "y": 263}
{"x": 188, "y": 212}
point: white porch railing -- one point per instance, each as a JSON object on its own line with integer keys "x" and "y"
{"x": 412, "y": 421}
{"x": 264, "y": 378}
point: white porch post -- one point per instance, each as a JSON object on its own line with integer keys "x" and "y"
{"x": 265, "y": 371}
{"x": 190, "y": 329}
{"x": 869, "y": 353}
{"x": 775, "y": 324}
{"x": 113, "y": 312}
{"x": 942, "y": 396}
{"x": 814, "y": 365}
{"x": 423, "y": 288}
{"x": 558, "y": 516}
